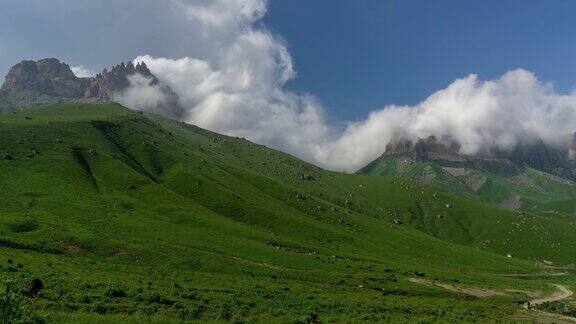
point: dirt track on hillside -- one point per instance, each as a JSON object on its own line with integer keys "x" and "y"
{"x": 470, "y": 291}
{"x": 562, "y": 293}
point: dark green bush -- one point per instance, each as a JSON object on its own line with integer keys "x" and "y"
{"x": 115, "y": 292}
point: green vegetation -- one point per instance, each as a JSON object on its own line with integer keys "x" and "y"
{"x": 110, "y": 215}
{"x": 531, "y": 190}
{"x": 560, "y": 307}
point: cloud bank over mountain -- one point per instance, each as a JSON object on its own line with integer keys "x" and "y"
{"x": 238, "y": 88}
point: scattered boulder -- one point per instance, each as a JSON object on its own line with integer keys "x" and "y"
{"x": 449, "y": 206}
{"x": 34, "y": 287}
{"x": 307, "y": 177}
{"x": 8, "y": 157}
{"x": 398, "y": 221}
{"x": 131, "y": 187}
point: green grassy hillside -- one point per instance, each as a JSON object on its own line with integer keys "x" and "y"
{"x": 111, "y": 215}
{"x": 531, "y": 190}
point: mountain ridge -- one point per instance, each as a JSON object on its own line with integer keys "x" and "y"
{"x": 48, "y": 81}
{"x": 531, "y": 175}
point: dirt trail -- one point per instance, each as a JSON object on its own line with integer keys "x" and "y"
{"x": 470, "y": 291}
{"x": 550, "y": 274}
{"x": 562, "y": 293}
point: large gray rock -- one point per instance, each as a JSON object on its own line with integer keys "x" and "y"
{"x": 47, "y": 76}
{"x": 107, "y": 83}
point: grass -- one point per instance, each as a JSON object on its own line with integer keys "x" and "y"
{"x": 540, "y": 191}
{"x": 130, "y": 217}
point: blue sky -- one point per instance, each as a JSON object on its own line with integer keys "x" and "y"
{"x": 357, "y": 56}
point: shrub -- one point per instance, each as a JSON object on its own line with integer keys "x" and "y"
{"x": 191, "y": 312}
{"x": 311, "y": 318}
{"x": 115, "y": 292}
{"x": 158, "y": 299}
{"x": 225, "y": 313}
{"x": 25, "y": 226}
{"x": 34, "y": 287}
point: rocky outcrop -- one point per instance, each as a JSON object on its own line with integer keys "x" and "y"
{"x": 48, "y": 76}
{"x": 50, "y": 81}
{"x": 535, "y": 154}
{"x": 542, "y": 157}
{"x": 107, "y": 83}
{"x": 53, "y": 78}
{"x": 424, "y": 149}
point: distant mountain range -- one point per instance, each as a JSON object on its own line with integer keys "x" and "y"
{"x": 530, "y": 176}
{"x": 48, "y": 81}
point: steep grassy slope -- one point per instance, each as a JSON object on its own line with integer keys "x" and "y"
{"x": 138, "y": 218}
{"x": 531, "y": 190}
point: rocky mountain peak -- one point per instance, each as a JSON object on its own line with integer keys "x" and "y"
{"x": 48, "y": 81}
{"x": 116, "y": 80}
{"x": 424, "y": 149}
{"x": 142, "y": 69}
{"x": 47, "y": 76}
{"x": 536, "y": 154}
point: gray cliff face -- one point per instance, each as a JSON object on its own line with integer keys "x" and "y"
{"x": 536, "y": 154}
{"x": 47, "y": 76}
{"x": 424, "y": 149}
{"x": 105, "y": 84}
{"x": 48, "y": 81}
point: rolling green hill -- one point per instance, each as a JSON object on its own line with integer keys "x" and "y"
{"x": 109, "y": 215}
{"x": 524, "y": 189}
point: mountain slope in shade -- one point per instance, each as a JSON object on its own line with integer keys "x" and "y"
{"x": 130, "y": 216}
{"x": 532, "y": 177}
